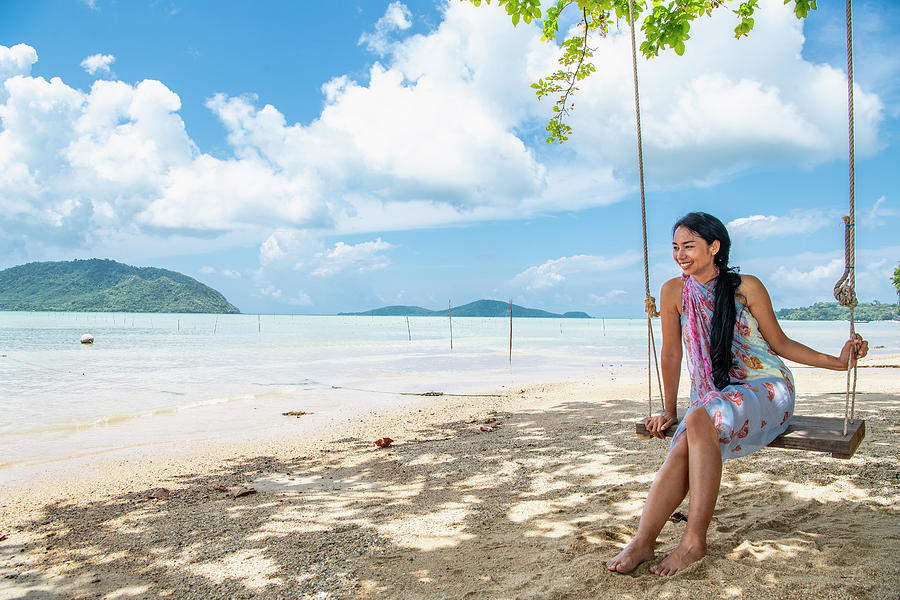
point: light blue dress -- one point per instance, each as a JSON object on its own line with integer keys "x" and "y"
{"x": 757, "y": 406}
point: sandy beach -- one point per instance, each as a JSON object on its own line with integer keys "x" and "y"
{"x": 531, "y": 507}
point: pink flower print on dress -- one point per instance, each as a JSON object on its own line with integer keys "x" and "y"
{"x": 734, "y": 396}
{"x": 788, "y": 382}
{"x": 785, "y": 418}
{"x": 717, "y": 419}
{"x": 749, "y": 373}
{"x": 738, "y": 373}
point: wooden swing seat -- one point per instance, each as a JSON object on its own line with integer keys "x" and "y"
{"x": 816, "y": 434}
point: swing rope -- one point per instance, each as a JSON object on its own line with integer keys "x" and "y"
{"x": 649, "y": 301}
{"x": 845, "y": 288}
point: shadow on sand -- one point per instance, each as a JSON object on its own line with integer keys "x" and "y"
{"x": 531, "y": 509}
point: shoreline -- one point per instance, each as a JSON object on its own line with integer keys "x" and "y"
{"x": 445, "y": 510}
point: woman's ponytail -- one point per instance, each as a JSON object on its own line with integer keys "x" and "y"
{"x": 722, "y": 326}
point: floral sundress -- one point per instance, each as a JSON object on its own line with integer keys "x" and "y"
{"x": 757, "y": 406}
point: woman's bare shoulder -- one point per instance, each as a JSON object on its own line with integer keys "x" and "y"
{"x": 676, "y": 284}
{"x": 750, "y": 284}
{"x": 752, "y": 292}
{"x": 670, "y": 294}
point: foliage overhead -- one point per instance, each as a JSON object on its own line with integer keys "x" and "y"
{"x": 897, "y": 279}
{"x": 665, "y": 25}
{"x": 832, "y": 311}
{"x": 105, "y": 286}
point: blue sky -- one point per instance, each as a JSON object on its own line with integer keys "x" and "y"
{"x": 325, "y": 157}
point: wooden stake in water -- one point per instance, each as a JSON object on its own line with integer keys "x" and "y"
{"x": 258, "y": 323}
{"x": 450, "y": 317}
{"x": 604, "y": 326}
{"x": 216, "y": 326}
{"x": 179, "y": 324}
{"x": 510, "y": 331}
{"x": 408, "y": 332}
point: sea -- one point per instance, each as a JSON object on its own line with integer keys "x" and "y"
{"x": 154, "y": 381}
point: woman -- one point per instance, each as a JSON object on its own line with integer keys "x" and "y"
{"x": 742, "y": 395}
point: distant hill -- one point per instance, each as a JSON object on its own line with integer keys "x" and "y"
{"x": 105, "y": 286}
{"x": 479, "y": 308}
{"x": 832, "y": 311}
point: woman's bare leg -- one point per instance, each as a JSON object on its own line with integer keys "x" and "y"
{"x": 668, "y": 490}
{"x": 704, "y": 477}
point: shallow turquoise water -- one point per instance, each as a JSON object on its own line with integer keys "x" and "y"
{"x": 168, "y": 377}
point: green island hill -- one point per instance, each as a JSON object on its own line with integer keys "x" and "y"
{"x": 832, "y": 311}
{"x": 97, "y": 285}
{"x": 479, "y": 308}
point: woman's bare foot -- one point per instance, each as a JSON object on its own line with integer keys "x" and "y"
{"x": 630, "y": 557}
{"x": 685, "y": 554}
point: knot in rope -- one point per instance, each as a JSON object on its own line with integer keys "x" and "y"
{"x": 650, "y": 306}
{"x": 844, "y": 289}
{"x": 844, "y": 293}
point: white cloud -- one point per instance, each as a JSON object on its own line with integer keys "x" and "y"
{"x": 725, "y": 106}
{"x": 763, "y": 226}
{"x": 439, "y": 132}
{"x": 301, "y": 299}
{"x": 270, "y": 250}
{"x": 98, "y": 63}
{"x": 816, "y": 277}
{"x": 806, "y": 277}
{"x": 362, "y": 257}
{"x": 230, "y": 274}
{"x": 208, "y": 193}
{"x": 879, "y": 213}
{"x": 16, "y": 60}
{"x": 271, "y": 291}
{"x": 609, "y": 297}
{"x": 396, "y": 18}
{"x": 288, "y": 244}
{"x": 554, "y": 272}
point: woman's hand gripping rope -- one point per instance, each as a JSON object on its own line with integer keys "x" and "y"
{"x": 855, "y": 348}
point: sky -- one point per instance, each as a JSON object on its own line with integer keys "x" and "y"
{"x": 317, "y": 157}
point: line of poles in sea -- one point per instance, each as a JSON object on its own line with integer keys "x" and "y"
{"x": 112, "y": 316}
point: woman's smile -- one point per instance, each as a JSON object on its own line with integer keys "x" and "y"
{"x": 693, "y": 254}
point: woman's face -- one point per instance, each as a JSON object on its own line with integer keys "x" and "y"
{"x": 693, "y": 254}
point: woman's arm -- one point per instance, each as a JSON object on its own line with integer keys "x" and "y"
{"x": 670, "y": 356}
{"x": 760, "y": 306}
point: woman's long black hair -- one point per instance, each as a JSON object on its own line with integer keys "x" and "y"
{"x": 724, "y": 314}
